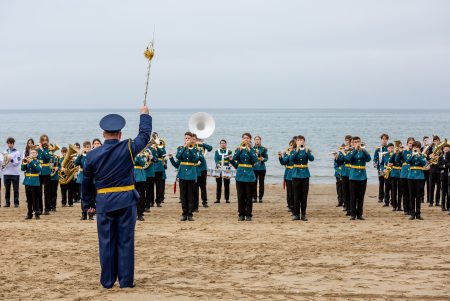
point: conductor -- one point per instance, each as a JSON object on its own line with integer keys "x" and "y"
{"x": 108, "y": 170}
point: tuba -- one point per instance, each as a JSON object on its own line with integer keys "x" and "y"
{"x": 148, "y": 161}
{"x": 68, "y": 165}
{"x": 202, "y": 124}
{"x": 438, "y": 152}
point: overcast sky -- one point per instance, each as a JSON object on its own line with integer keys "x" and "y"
{"x": 227, "y": 54}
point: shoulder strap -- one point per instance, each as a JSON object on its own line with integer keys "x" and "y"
{"x": 129, "y": 149}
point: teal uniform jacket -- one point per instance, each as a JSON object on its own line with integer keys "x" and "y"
{"x": 358, "y": 160}
{"x": 56, "y": 163}
{"x": 300, "y": 159}
{"x": 417, "y": 164}
{"x": 139, "y": 172}
{"x": 262, "y": 153}
{"x": 218, "y": 154}
{"x": 203, "y": 166}
{"x": 401, "y": 160}
{"x": 244, "y": 161}
{"x": 201, "y": 163}
{"x": 174, "y": 162}
{"x": 159, "y": 165}
{"x": 284, "y": 160}
{"x": 396, "y": 168}
{"x": 44, "y": 158}
{"x": 337, "y": 169}
{"x": 32, "y": 171}
{"x": 345, "y": 166}
{"x": 79, "y": 161}
{"x": 188, "y": 159}
{"x": 376, "y": 157}
{"x": 235, "y": 164}
{"x": 150, "y": 170}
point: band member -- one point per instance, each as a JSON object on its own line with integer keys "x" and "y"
{"x": 358, "y": 158}
{"x": 345, "y": 172}
{"x": 55, "y": 164}
{"x": 434, "y": 182}
{"x": 394, "y": 177}
{"x": 75, "y": 184}
{"x": 96, "y": 143}
{"x": 112, "y": 167}
{"x": 377, "y": 156}
{"x": 444, "y": 179}
{"x": 447, "y": 172}
{"x": 188, "y": 156}
{"x": 260, "y": 170}
{"x": 222, "y": 159}
{"x": 202, "y": 172}
{"x": 140, "y": 178}
{"x": 425, "y": 146}
{"x": 80, "y": 160}
{"x": 386, "y": 167}
{"x": 66, "y": 189}
{"x": 400, "y": 158}
{"x": 149, "y": 186}
{"x": 29, "y": 146}
{"x": 31, "y": 167}
{"x": 284, "y": 159}
{"x": 416, "y": 179}
{"x": 245, "y": 157}
{"x": 11, "y": 171}
{"x": 160, "y": 173}
{"x": 44, "y": 158}
{"x": 300, "y": 177}
{"x": 337, "y": 174}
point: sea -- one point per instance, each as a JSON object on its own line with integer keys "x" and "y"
{"x": 324, "y": 130}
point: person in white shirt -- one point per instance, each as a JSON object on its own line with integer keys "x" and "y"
{"x": 11, "y": 171}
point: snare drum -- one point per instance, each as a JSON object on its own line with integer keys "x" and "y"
{"x": 228, "y": 173}
{"x": 214, "y": 172}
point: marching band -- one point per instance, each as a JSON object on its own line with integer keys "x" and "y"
{"x": 404, "y": 172}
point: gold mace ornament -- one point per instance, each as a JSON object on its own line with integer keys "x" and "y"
{"x": 149, "y": 53}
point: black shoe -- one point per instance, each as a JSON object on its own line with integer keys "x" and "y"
{"x": 147, "y": 209}
{"x": 37, "y": 216}
{"x": 190, "y": 218}
{"x": 158, "y": 205}
{"x": 360, "y": 218}
{"x": 430, "y": 205}
{"x": 386, "y": 205}
{"x": 289, "y": 210}
{"x": 437, "y": 205}
{"x": 295, "y": 218}
{"x": 255, "y": 201}
{"x": 183, "y": 218}
{"x": 63, "y": 205}
{"x": 217, "y": 202}
{"x": 353, "y": 218}
{"x": 339, "y": 205}
{"x": 16, "y": 205}
{"x": 91, "y": 217}
{"x": 248, "y": 218}
{"x": 261, "y": 201}
{"x": 412, "y": 217}
{"x": 227, "y": 201}
{"x": 83, "y": 217}
{"x": 394, "y": 209}
{"x": 70, "y": 205}
{"x": 205, "y": 205}
{"x": 46, "y": 212}
{"x": 419, "y": 217}
{"x": 348, "y": 214}
{"x": 241, "y": 218}
{"x": 195, "y": 210}
{"x": 303, "y": 218}
{"x": 399, "y": 209}
{"x": 344, "y": 209}
{"x": 380, "y": 201}
{"x": 29, "y": 217}
{"x": 140, "y": 218}
{"x": 406, "y": 213}
{"x": 444, "y": 209}
{"x": 7, "y": 205}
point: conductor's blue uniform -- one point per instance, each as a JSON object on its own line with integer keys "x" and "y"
{"x": 111, "y": 167}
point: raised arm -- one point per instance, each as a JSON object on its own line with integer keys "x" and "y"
{"x": 145, "y": 130}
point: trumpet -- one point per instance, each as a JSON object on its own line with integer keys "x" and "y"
{"x": 301, "y": 147}
{"x": 191, "y": 145}
{"x": 27, "y": 160}
{"x": 415, "y": 152}
{"x": 244, "y": 144}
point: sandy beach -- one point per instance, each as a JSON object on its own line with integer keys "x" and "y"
{"x": 386, "y": 257}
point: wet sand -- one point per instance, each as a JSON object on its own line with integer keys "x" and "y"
{"x": 386, "y": 257}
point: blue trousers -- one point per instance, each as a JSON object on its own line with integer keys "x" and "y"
{"x": 116, "y": 246}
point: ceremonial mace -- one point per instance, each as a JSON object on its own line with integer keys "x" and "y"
{"x": 149, "y": 53}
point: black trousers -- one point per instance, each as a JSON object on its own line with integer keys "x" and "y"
{"x": 404, "y": 184}
{"x": 14, "y": 180}
{"x": 357, "y": 193}
{"x": 340, "y": 198}
{"x": 64, "y": 191}
{"x": 53, "y": 193}
{"x": 160, "y": 184}
{"x": 444, "y": 187}
{"x": 32, "y": 194}
{"x": 387, "y": 191}
{"x": 226, "y": 184}
{"x": 201, "y": 181}
{"x": 415, "y": 195}
{"x": 300, "y": 188}
{"x": 434, "y": 184}
{"x": 140, "y": 187}
{"x": 346, "y": 192}
{"x": 187, "y": 188}
{"x": 260, "y": 176}
{"x": 76, "y": 191}
{"x": 396, "y": 193}
{"x": 426, "y": 173}
{"x": 381, "y": 187}
{"x": 44, "y": 193}
{"x": 289, "y": 195}
{"x": 244, "y": 195}
{"x": 149, "y": 192}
